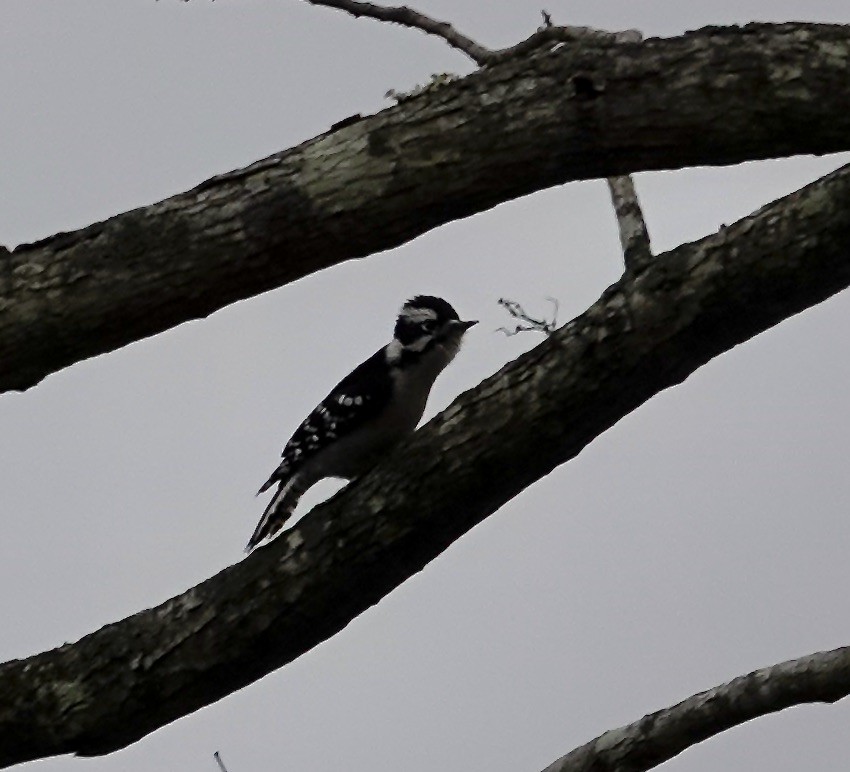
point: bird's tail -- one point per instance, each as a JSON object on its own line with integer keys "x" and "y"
{"x": 278, "y": 511}
{"x": 276, "y": 475}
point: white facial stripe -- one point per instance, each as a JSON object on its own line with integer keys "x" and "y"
{"x": 417, "y": 315}
{"x": 394, "y": 350}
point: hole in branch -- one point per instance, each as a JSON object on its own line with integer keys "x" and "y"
{"x": 586, "y": 88}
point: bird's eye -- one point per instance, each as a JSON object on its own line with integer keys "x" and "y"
{"x": 429, "y": 325}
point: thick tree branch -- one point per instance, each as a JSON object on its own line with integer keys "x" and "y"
{"x": 716, "y": 96}
{"x": 647, "y": 332}
{"x": 820, "y": 677}
{"x": 634, "y": 237}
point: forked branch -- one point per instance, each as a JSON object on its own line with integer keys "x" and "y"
{"x": 481, "y": 55}
{"x": 633, "y": 233}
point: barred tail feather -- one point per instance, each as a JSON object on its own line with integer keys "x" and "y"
{"x": 278, "y": 511}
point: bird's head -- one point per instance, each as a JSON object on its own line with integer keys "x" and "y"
{"x": 425, "y": 324}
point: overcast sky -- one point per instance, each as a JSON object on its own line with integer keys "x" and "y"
{"x": 704, "y": 536}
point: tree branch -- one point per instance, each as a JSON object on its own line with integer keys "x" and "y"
{"x": 408, "y": 17}
{"x": 481, "y": 55}
{"x": 647, "y": 332}
{"x": 820, "y": 677}
{"x": 716, "y": 96}
{"x": 633, "y": 234}
{"x": 634, "y": 237}
{"x": 574, "y": 35}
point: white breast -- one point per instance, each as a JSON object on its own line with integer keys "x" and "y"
{"x": 358, "y": 452}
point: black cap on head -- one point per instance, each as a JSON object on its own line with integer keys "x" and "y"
{"x": 440, "y": 307}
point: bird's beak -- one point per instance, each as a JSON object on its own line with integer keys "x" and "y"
{"x": 467, "y": 325}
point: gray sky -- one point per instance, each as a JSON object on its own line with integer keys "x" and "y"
{"x": 702, "y": 537}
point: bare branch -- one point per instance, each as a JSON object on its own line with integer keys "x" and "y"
{"x": 634, "y": 237}
{"x": 528, "y": 323}
{"x": 219, "y": 762}
{"x": 407, "y": 17}
{"x": 481, "y": 55}
{"x": 644, "y": 744}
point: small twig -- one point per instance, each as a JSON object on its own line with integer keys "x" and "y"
{"x": 481, "y": 55}
{"x": 634, "y": 236}
{"x": 547, "y": 18}
{"x": 220, "y": 762}
{"x": 407, "y": 17}
{"x": 530, "y": 324}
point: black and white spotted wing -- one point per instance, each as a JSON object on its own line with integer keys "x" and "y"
{"x": 355, "y": 400}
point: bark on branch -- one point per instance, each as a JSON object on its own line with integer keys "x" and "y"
{"x": 634, "y": 237}
{"x": 647, "y": 332}
{"x": 821, "y": 677}
{"x": 587, "y": 110}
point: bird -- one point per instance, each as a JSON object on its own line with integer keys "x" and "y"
{"x": 368, "y": 412}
